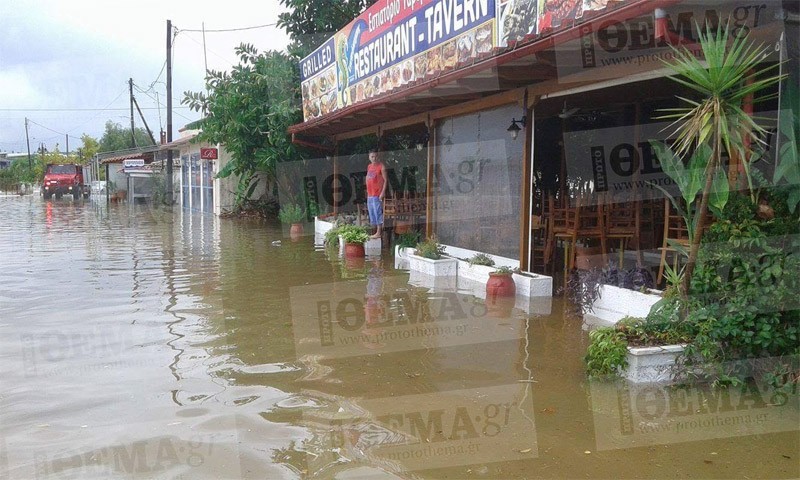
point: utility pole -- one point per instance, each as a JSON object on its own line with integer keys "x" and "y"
{"x": 28, "y": 141}
{"x": 169, "y": 112}
{"x": 67, "y": 152}
{"x": 146, "y": 126}
{"x": 133, "y": 127}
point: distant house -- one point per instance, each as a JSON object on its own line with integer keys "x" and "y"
{"x": 129, "y": 173}
{"x": 7, "y": 158}
{"x": 199, "y": 163}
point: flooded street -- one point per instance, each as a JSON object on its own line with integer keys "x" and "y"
{"x": 137, "y": 343}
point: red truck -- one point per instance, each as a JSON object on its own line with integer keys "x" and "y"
{"x": 64, "y": 179}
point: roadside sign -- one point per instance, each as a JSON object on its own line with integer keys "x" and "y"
{"x": 209, "y": 153}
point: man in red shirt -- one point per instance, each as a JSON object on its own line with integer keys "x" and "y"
{"x": 377, "y": 179}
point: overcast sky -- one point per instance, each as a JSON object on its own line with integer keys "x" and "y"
{"x": 65, "y": 64}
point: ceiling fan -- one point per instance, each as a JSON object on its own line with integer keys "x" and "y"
{"x": 567, "y": 112}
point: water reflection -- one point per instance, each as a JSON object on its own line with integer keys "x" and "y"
{"x": 136, "y": 342}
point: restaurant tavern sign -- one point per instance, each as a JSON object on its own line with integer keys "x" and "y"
{"x": 396, "y": 42}
{"x": 391, "y": 44}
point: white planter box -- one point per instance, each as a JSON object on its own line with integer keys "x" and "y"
{"x": 476, "y": 273}
{"x": 527, "y": 285}
{"x": 444, "y": 267}
{"x": 533, "y": 285}
{"x": 321, "y": 227}
{"x": 542, "y": 305}
{"x": 536, "y": 305}
{"x": 401, "y": 257}
{"x": 652, "y": 364}
{"x": 402, "y": 252}
{"x": 440, "y": 283}
{"x": 617, "y": 303}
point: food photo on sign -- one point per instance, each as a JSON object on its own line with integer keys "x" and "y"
{"x": 516, "y": 19}
{"x": 557, "y": 11}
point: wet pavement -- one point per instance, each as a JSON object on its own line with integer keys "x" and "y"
{"x": 136, "y": 343}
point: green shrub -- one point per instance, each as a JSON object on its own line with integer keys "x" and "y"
{"x": 743, "y": 301}
{"x": 607, "y": 353}
{"x": 481, "y": 259}
{"x": 407, "y": 239}
{"x": 332, "y": 236}
{"x": 291, "y": 213}
{"x": 504, "y": 270}
{"x": 353, "y": 234}
{"x": 430, "y": 248}
{"x": 663, "y": 326}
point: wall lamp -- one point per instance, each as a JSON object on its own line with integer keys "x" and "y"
{"x": 422, "y": 141}
{"x": 516, "y": 126}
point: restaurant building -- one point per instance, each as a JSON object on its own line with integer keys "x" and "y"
{"x": 524, "y": 109}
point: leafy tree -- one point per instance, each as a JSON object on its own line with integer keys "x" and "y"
{"x": 310, "y": 22}
{"x": 116, "y": 137}
{"x": 717, "y": 121}
{"x": 249, "y": 111}
{"x": 89, "y": 147}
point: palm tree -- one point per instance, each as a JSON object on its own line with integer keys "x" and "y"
{"x": 729, "y": 74}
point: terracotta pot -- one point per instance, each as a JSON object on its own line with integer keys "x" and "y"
{"x": 500, "y": 285}
{"x": 296, "y": 229}
{"x": 354, "y": 250}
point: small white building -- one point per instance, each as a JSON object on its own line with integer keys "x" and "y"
{"x": 195, "y": 176}
{"x": 197, "y": 187}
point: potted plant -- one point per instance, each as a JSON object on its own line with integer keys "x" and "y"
{"x": 500, "y": 283}
{"x": 430, "y": 249}
{"x": 481, "y": 259}
{"x": 292, "y": 214}
{"x": 428, "y": 258}
{"x": 354, "y": 238}
{"x": 403, "y": 241}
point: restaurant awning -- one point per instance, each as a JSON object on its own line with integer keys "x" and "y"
{"x": 531, "y": 61}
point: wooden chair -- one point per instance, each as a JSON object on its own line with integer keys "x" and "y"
{"x": 675, "y": 231}
{"x": 389, "y": 207}
{"x": 583, "y": 221}
{"x": 621, "y": 224}
{"x": 539, "y": 243}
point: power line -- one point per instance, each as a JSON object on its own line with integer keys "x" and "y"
{"x": 51, "y": 130}
{"x": 159, "y": 108}
{"x": 73, "y": 109}
{"x": 158, "y": 77}
{"x": 227, "y": 60}
{"x": 104, "y": 109}
{"x": 229, "y": 29}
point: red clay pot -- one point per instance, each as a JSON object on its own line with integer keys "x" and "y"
{"x": 296, "y": 229}
{"x": 500, "y": 285}
{"x": 354, "y": 250}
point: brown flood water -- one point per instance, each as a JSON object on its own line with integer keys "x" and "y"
{"x": 136, "y": 343}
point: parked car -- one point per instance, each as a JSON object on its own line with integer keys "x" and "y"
{"x": 64, "y": 179}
